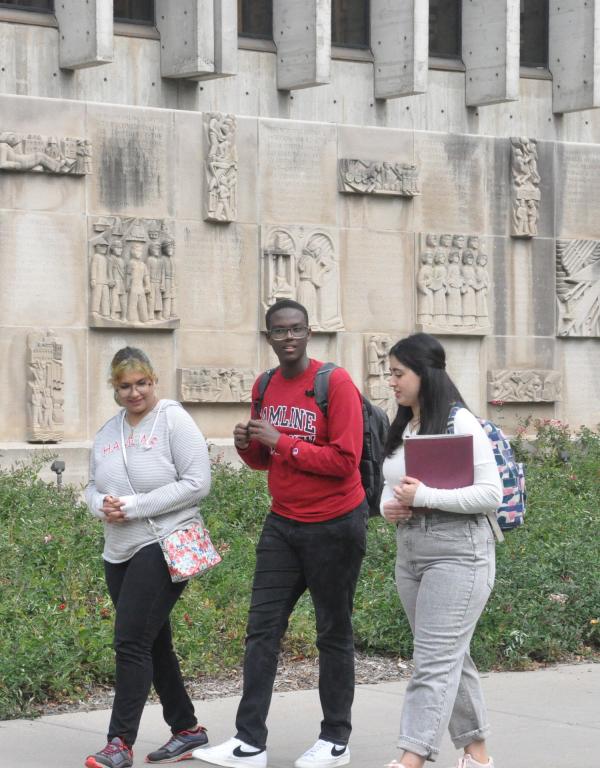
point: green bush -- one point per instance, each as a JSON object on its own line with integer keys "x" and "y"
{"x": 56, "y": 617}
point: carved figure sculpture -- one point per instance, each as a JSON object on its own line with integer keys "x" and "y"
{"x": 378, "y": 177}
{"x": 220, "y": 167}
{"x": 378, "y": 347}
{"x": 454, "y": 289}
{"x": 215, "y": 385}
{"x": 473, "y": 243}
{"x": 280, "y": 254}
{"x": 45, "y": 388}
{"x": 481, "y": 287}
{"x": 524, "y": 386}
{"x": 303, "y": 266}
{"x": 32, "y": 152}
{"x": 309, "y": 275}
{"x": 452, "y": 285}
{"x": 424, "y": 291}
{"x": 100, "y": 280}
{"x": 525, "y": 187}
{"x": 155, "y": 270}
{"x": 138, "y": 285}
{"x": 132, "y": 285}
{"x": 469, "y": 303}
{"x": 439, "y": 287}
{"x": 118, "y": 272}
{"x": 168, "y": 288}
{"x": 578, "y": 287}
{"x": 377, "y": 352}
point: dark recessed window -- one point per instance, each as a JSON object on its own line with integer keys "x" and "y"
{"x": 350, "y": 23}
{"x": 134, "y": 11}
{"x": 534, "y": 33}
{"x": 444, "y": 28}
{"x": 255, "y": 19}
{"x": 46, "y": 6}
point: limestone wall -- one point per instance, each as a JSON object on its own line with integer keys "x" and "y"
{"x": 328, "y": 182}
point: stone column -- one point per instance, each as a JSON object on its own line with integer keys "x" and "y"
{"x": 302, "y": 34}
{"x": 85, "y": 33}
{"x": 490, "y": 51}
{"x": 573, "y": 48}
{"x": 400, "y": 45}
{"x": 198, "y": 38}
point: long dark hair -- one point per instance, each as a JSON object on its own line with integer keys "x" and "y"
{"x": 424, "y": 355}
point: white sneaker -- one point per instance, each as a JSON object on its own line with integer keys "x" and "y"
{"x": 466, "y": 761}
{"x": 323, "y": 754}
{"x": 232, "y": 753}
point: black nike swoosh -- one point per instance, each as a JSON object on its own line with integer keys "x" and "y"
{"x": 239, "y": 752}
{"x": 337, "y": 751}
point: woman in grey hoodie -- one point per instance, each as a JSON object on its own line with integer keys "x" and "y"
{"x": 149, "y": 468}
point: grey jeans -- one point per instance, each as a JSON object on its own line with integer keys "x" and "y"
{"x": 445, "y": 571}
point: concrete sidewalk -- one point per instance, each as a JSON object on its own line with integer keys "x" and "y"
{"x": 544, "y": 719}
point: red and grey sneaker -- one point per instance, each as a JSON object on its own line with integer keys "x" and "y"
{"x": 116, "y": 754}
{"x": 179, "y": 747}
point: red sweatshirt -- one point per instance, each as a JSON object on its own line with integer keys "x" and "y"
{"x": 313, "y": 471}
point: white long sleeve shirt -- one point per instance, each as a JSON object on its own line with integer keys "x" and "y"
{"x": 483, "y": 497}
{"x": 169, "y": 473}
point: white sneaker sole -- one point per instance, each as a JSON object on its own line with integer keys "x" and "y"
{"x": 329, "y": 763}
{"x": 229, "y": 760}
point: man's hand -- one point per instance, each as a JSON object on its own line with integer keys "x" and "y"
{"x": 112, "y": 508}
{"x": 264, "y": 432}
{"x": 405, "y": 491}
{"x": 241, "y": 438}
{"x": 395, "y": 512}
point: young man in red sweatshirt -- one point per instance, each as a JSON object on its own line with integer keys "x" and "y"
{"x": 314, "y": 538}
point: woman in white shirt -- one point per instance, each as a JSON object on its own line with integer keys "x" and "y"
{"x": 445, "y": 565}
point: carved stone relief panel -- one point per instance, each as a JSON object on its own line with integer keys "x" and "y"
{"x": 524, "y": 386}
{"x": 132, "y": 274}
{"x": 377, "y": 350}
{"x": 221, "y": 167}
{"x": 215, "y": 385}
{"x": 302, "y": 263}
{"x": 45, "y": 154}
{"x": 378, "y": 178}
{"x": 45, "y": 388}
{"x": 578, "y": 287}
{"x": 525, "y": 187}
{"x": 453, "y": 285}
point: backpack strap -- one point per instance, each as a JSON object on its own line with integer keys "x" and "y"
{"x": 451, "y": 416}
{"x": 263, "y": 383}
{"x": 321, "y": 386}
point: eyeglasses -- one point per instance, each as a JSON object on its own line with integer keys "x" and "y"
{"x": 140, "y": 386}
{"x": 296, "y": 332}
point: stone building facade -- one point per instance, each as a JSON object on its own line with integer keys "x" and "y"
{"x": 166, "y": 174}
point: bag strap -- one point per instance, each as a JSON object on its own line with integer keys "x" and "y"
{"x": 451, "y": 416}
{"x": 321, "y": 386}
{"x": 124, "y": 453}
{"x": 263, "y": 383}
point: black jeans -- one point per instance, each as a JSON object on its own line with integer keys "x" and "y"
{"x": 144, "y": 595}
{"x": 324, "y": 558}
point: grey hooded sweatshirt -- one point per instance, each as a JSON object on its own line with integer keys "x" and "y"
{"x": 169, "y": 472}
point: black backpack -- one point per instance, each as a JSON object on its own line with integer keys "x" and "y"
{"x": 375, "y": 429}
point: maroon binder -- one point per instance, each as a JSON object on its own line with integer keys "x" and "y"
{"x": 440, "y": 461}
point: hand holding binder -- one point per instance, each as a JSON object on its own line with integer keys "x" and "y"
{"x": 440, "y": 461}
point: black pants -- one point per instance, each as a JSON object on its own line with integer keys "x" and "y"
{"x": 324, "y": 558}
{"x": 144, "y": 595}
